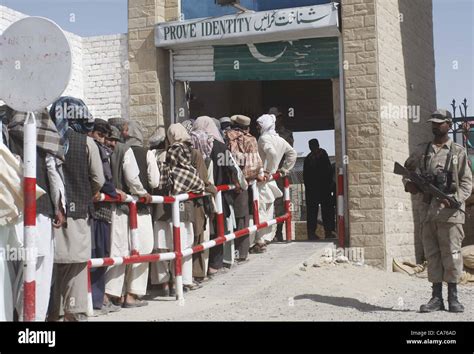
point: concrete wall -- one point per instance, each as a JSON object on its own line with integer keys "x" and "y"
{"x": 99, "y": 69}
{"x": 387, "y": 62}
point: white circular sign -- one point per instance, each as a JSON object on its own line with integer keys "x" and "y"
{"x": 35, "y": 64}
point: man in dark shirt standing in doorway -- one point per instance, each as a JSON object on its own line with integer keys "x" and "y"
{"x": 318, "y": 180}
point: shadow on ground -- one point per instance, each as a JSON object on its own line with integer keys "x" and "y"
{"x": 346, "y": 302}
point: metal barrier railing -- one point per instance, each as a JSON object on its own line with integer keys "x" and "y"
{"x": 178, "y": 253}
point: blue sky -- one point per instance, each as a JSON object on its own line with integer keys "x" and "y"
{"x": 454, "y": 41}
{"x": 453, "y": 34}
{"x": 91, "y": 17}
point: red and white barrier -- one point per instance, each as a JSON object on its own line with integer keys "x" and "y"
{"x": 219, "y": 215}
{"x": 256, "y": 215}
{"x": 29, "y": 191}
{"x": 90, "y": 304}
{"x": 178, "y": 253}
{"x": 340, "y": 208}
{"x": 287, "y": 209}
{"x": 178, "y": 264}
{"x": 133, "y": 221}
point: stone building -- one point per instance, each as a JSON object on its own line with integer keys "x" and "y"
{"x": 355, "y": 66}
{"x": 387, "y": 58}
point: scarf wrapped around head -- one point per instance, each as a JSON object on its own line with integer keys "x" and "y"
{"x": 157, "y": 138}
{"x": 202, "y": 142}
{"x": 178, "y": 134}
{"x": 207, "y": 125}
{"x": 135, "y": 134}
{"x": 47, "y": 136}
{"x": 267, "y": 124}
{"x": 188, "y": 125}
{"x": 178, "y": 174}
{"x": 70, "y": 112}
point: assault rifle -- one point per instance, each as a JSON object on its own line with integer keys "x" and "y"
{"x": 426, "y": 186}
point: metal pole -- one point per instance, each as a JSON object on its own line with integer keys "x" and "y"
{"x": 133, "y": 228}
{"x": 90, "y": 305}
{"x": 178, "y": 265}
{"x": 172, "y": 89}
{"x": 343, "y": 131}
{"x": 29, "y": 191}
{"x": 219, "y": 215}
{"x": 340, "y": 207}
{"x": 256, "y": 216}
{"x": 288, "y": 209}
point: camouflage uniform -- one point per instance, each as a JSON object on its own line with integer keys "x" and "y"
{"x": 442, "y": 231}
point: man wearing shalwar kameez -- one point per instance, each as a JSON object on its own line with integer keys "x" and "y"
{"x": 135, "y": 171}
{"x": 11, "y": 207}
{"x": 272, "y": 148}
{"x": 49, "y": 207}
{"x": 83, "y": 177}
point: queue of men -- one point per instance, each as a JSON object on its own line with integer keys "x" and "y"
{"x": 79, "y": 158}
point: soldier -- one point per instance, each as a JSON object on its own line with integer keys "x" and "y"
{"x": 446, "y": 163}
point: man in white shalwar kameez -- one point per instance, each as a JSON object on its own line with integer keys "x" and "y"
{"x": 272, "y": 148}
{"x": 126, "y": 176}
{"x": 11, "y": 207}
{"x": 48, "y": 207}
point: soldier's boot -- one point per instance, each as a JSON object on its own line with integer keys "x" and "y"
{"x": 436, "y": 303}
{"x": 454, "y": 304}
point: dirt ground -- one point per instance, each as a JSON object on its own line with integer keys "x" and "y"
{"x": 284, "y": 285}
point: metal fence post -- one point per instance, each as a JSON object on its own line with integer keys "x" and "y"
{"x": 29, "y": 190}
{"x": 178, "y": 265}
{"x": 90, "y": 305}
{"x": 219, "y": 215}
{"x": 133, "y": 227}
{"x": 288, "y": 209}
{"x": 256, "y": 215}
{"x": 340, "y": 208}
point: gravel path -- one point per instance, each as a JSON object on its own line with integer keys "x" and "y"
{"x": 277, "y": 286}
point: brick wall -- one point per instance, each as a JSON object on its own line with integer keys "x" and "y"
{"x": 149, "y": 80}
{"x": 363, "y": 130}
{"x": 406, "y": 78}
{"x": 388, "y": 62}
{"x": 99, "y": 71}
{"x": 106, "y": 75}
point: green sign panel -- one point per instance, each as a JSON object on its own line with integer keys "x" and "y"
{"x": 305, "y": 59}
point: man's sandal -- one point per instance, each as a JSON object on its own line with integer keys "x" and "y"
{"x": 136, "y": 303}
{"x": 191, "y": 287}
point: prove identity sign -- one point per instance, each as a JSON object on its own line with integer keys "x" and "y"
{"x": 35, "y": 68}
{"x": 251, "y": 27}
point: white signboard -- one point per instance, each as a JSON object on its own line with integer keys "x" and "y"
{"x": 251, "y": 27}
{"x": 35, "y": 64}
